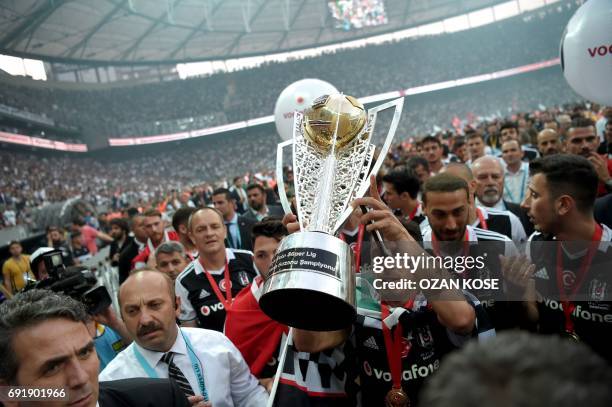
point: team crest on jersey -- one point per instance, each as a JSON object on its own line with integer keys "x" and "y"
{"x": 222, "y": 286}
{"x": 597, "y": 289}
{"x": 569, "y": 278}
{"x": 203, "y": 294}
{"x": 424, "y": 337}
{"x": 244, "y": 278}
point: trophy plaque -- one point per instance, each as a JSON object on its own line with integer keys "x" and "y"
{"x": 311, "y": 281}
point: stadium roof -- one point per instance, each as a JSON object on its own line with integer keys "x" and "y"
{"x": 163, "y": 31}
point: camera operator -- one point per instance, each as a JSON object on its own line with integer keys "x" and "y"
{"x": 56, "y": 240}
{"x": 108, "y": 331}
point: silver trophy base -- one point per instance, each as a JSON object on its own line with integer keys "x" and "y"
{"x": 311, "y": 283}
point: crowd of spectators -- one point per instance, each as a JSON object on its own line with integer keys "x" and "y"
{"x": 142, "y": 175}
{"x": 175, "y": 105}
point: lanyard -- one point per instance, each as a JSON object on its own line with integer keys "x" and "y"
{"x": 522, "y": 188}
{"x": 393, "y": 344}
{"x": 357, "y": 247}
{"x": 481, "y": 219}
{"x": 414, "y": 212}
{"x": 568, "y": 306}
{"x": 227, "y": 301}
{"x": 195, "y": 365}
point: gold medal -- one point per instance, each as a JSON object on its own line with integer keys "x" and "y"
{"x": 397, "y": 398}
{"x": 572, "y": 336}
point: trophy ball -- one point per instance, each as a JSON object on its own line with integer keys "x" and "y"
{"x": 329, "y": 112}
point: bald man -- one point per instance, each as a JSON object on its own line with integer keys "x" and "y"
{"x": 503, "y": 222}
{"x": 209, "y": 283}
{"x": 204, "y": 363}
{"x": 548, "y": 142}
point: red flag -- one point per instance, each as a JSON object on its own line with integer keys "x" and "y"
{"x": 255, "y": 335}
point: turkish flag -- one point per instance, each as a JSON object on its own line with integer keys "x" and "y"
{"x": 255, "y": 335}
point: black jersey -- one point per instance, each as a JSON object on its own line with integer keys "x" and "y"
{"x": 322, "y": 379}
{"x": 592, "y": 316}
{"x": 198, "y": 298}
{"x": 425, "y": 342}
{"x": 487, "y": 245}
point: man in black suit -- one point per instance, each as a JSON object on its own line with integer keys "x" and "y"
{"x": 258, "y": 209}
{"x": 238, "y": 227}
{"x": 143, "y": 392}
{"x": 120, "y": 232}
{"x": 44, "y": 343}
{"x": 133, "y": 248}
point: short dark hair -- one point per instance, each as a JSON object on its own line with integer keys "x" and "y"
{"x": 508, "y": 125}
{"x": 568, "y": 174}
{"x": 431, "y": 139}
{"x": 14, "y": 242}
{"x": 459, "y": 142}
{"x": 181, "y": 217}
{"x": 223, "y": 191}
{"x": 258, "y": 186}
{"x": 581, "y": 121}
{"x": 520, "y": 369}
{"x": 78, "y": 221}
{"x": 415, "y": 162}
{"x": 152, "y": 212}
{"x": 131, "y": 212}
{"x": 403, "y": 180}
{"x": 120, "y": 223}
{"x": 27, "y": 309}
{"x": 170, "y": 247}
{"x": 269, "y": 227}
{"x": 445, "y": 183}
{"x": 473, "y": 134}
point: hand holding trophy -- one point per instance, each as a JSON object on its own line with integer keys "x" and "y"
{"x": 311, "y": 282}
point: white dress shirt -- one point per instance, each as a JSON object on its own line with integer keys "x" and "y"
{"x": 227, "y": 377}
{"x": 515, "y": 183}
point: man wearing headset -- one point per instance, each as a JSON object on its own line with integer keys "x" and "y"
{"x": 204, "y": 363}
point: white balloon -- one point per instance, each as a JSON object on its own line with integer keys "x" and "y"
{"x": 297, "y": 96}
{"x": 586, "y": 51}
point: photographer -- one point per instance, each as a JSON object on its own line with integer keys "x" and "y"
{"x": 109, "y": 334}
{"x": 108, "y": 331}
